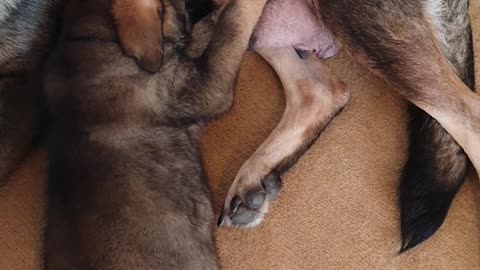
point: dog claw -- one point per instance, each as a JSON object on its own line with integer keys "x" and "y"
{"x": 235, "y": 204}
{"x": 221, "y": 219}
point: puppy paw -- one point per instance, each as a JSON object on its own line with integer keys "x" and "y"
{"x": 139, "y": 28}
{"x": 174, "y": 23}
{"x": 248, "y": 201}
{"x": 147, "y": 53}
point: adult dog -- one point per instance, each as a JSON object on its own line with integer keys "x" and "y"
{"x": 420, "y": 47}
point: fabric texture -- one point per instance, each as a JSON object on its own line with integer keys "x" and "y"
{"x": 338, "y": 207}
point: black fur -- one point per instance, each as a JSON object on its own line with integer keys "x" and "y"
{"x": 197, "y": 9}
{"x": 423, "y": 203}
{"x": 429, "y": 183}
{"x": 27, "y": 33}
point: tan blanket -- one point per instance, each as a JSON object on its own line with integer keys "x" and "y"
{"x": 338, "y": 208}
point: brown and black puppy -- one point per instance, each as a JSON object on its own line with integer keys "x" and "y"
{"x": 27, "y": 31}
{"x": 126, "y": 184}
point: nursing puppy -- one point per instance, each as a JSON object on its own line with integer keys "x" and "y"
{"x": 421, "y": 48}
{"x": 126, "y": 184}
{"x": 27, "y": 30}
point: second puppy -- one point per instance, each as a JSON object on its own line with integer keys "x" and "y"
{"x": 126, "y": 184}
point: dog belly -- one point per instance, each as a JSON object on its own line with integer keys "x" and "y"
{"x": 294, "y": 23}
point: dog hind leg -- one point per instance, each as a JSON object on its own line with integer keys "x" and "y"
{"x": 402, "y": 45}
{"x": 313, "y": 97}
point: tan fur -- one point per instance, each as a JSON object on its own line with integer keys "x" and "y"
{"x": 313, "y": 96}
{"x": 139, "y": 27}
{"x": 142, "y": 25}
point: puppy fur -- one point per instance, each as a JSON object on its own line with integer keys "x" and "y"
{"x": 27, "y": 29}
{"x": 126, "y": 184}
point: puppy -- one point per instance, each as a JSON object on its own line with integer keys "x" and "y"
{"x": 421, "y": 48}
{"x": 27, "y": 30}
{"x": 126, "y": 184}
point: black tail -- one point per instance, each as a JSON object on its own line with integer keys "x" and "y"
{"x": 436, "y": 166}
{"x": 433, "y": 174}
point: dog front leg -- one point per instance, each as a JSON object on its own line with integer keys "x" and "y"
{"x": 313, "y": 97}
{"x": 207, "y": 90}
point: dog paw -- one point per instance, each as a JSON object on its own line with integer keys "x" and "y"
{"x": 248, "y": 201}
{"x": 145, "y": 45}
{"x": 139, "y": 29}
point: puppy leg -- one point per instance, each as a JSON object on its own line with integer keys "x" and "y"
{"x": 139, "y": 27}
{"x": 313, "y": 96}
{"x": 174, "y": 20}
{"x": 207, "y": 89}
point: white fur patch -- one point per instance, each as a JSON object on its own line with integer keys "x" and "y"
{"x": 6, "y": 7}
{"x": 434, "y": 9}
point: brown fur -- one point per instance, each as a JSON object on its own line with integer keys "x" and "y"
{"x": 401, "y": 42}
{"x": 313, "y": 96}
{"x": 143, "y": 24}
{"x": 126, "y": 185}
{"x": 410, "y": 57}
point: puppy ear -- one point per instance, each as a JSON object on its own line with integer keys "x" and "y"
{"x": 139, "y": 29}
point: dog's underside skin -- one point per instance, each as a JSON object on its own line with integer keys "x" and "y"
{"x": 27, "y": 31}
{"x": 413, "y": 46}
{"x": 126, "y": 185}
